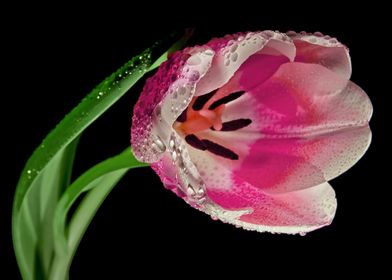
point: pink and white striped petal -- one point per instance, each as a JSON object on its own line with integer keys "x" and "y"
{"x": 233, "y": 51}
{"x": 323, "y": 50}
{"x": 292, "y": 213}
{"x": 164, "y": 97}
{"x": 235, "y": 201}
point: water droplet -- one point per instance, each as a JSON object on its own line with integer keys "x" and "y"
{"x": 234, "y": 57}
{"x": 209, "y": 52}
{"x": 302, "y": 233}
{"x": 171, "y": 143}
{"x": 194, "y": 76}
{"x": 160, "y": 145}
{"x": 29, "y": 171}
{"x": 201, "y": 192}
{"x": 194, "y": 60}
{"x": 234, "y": 48}
{"x": 181, "y": 91}
{"x": 190, "y": 190}
{"x": 291, "y": 33}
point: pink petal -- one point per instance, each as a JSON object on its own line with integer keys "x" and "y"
{"x": 323, "y": 50}
{"x": 235, "y": 201}
{"x": 314, "y": 126}
{"x": 164, "y": 97}
{"x": 284, "y": 165}
{"x": 295, "y": 212}
{"x": 233, "y": 51}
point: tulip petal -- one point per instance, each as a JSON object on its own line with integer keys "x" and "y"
{"x": 294, "y": 212}
{"x": 233, "y": 51}
{"x": 165, "y": 96}
{"x": 323, "y": 50}
{"x": 313, "y": 124}
{"x": 237, "y": 202}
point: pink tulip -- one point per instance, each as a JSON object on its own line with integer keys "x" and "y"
{"x": 249, "y": 128}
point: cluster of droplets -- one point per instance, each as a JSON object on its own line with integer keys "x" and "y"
{"x": 165, "y": 96}
{"x": 315, "y": 38}
{"x": 154, "y": 91}
{"x": 252, "y": 40}
{"x": 280, "y": 211}
{"x": 137, "y": 66}
{"x": 189, "y": 181}
{"x": 31, "y": 173}
{"x": 80, "y": 114}
{"x": 182, "y": 90}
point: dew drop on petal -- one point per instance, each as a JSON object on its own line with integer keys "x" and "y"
{"x": 171, "y": 143}
{"x": 174, "y": 155}
{"x": 234, "y": 48}
{"x": 194, "y": 76}
{"x": 160, "y": 145}
{"x": 194, "y": 60}
{"x": 234, "y": 57}
{"x": 181, "y": 91}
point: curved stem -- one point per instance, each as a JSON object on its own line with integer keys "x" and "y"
{"x": 98, "y": 181}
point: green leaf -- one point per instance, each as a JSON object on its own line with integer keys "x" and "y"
{"x": 34, "y": 223}
{"x": 46, "y": 173}
{"x": 97, "y": 182}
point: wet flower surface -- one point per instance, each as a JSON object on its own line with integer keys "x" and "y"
{"x": 250, "y": 128}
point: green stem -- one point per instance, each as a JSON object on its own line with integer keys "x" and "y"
{"x": 98, "y": 181}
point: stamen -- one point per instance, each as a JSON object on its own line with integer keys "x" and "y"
{"x": 201, "y": 100}
{"x": 182, "y": 117}
{"x": 226, "y": 99}
{"x": 234, "y": 125}
{"x": 219, "y": 150}
{"x": 195, "y": 142}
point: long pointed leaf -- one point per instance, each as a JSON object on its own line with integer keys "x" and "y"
{"x": 28, "y": 206}
{"x": 35, "y": 221}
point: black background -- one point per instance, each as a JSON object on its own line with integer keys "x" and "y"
{"x": 56, "y": 55}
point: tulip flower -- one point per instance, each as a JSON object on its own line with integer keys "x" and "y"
{"x": 249, "y": 128}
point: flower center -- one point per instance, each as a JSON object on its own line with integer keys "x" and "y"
{"x": 205, "y": 113}
{"x": 200, "y": 120}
